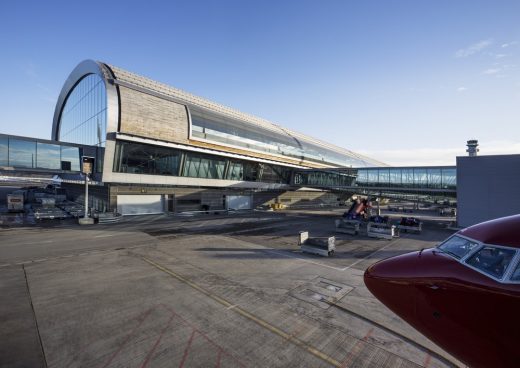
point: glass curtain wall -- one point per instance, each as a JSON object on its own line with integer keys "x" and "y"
{"x": 137, "y": 158}
{"x": 69, "y": 158}
{"x": 48, "y": 156}
{"x": 236, "y": 133}
{"x": 417, "y": 177}
{"x": 324, "y": 178}
{"x": 4, "y": 151}
{"x": 32, "y": 154}
{"x": 83, "y": 118}
{"x": 22, "y": 153}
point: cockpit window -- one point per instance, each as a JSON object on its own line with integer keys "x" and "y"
{"x": 516, "y": 273}
{"x": 492, "y": 260}
{"x": 457, "y": 247}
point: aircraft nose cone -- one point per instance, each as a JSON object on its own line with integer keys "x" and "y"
{"x": 391, "y": 281}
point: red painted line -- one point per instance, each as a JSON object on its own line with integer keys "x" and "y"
{"x": 204, "y": 336}
{"x": 116, "y": 353}
{"x": 187, "y": 349}
{"x": 356, "y": 349}
{"x": 219, "y": 357}
{"x": 150, "y": 353}
{"x": 87, "y": 345}
{"x": 427, "y": 360}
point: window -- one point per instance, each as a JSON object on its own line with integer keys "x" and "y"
{"x": 69, "y": 158}
{"x": 395, "y": 177}
{"x": 407, "y": 177}
{"x": 457, "y": 247}
{"x": 372, "y": 178}
{"x": 384, "y": 177}
{"x": 492, "y": 260}
{"x": 516, "y": 273}
{"x": 4, "y": 148}
{"x": 134, "y": 158}
{"x": 362, "y": 178}
{"x": 235, "y": 171}
{"x": 137, "y": 158}
{"x": 449, "y": 178}
{"x": 434, "y": 178}
{"x": 48, "y": 156}
{"x": 22, "y": 153}
{"x": 275, "y": 141}
{"x": 83, "y": 118}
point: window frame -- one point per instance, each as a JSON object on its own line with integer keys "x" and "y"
{"x": 508, "y": 272}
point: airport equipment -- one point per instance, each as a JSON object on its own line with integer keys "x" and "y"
{"x": 15, "y": 202}
{"x": 75, "y": 210}
{"x": 323, "y": 246}
{"x": 358, "y": 210}
{"x": 107, "y": 217}
{"x": 46, "y": 201}
{"x": 347, "y": 226}
{"x": 410, "y": 224}
{"x": 48, "y": 212}
{"x": 380, "y": 227}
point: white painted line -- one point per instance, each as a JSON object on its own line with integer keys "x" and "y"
{"x": 104, "y": 235}
{"x": 67, "y": 256}
{"x": 40, "y": 260}
{"x": 285, "y": 254}
{"x": 21, "y": 263}
{"x": 232, "y": 306}
{"x": 5, "y": 265}
{"x": 370, "y": 255}
{"x": 300, "y": 258}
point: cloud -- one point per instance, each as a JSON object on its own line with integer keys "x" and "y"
{"x": 473, "y": 49}
{"x": 440, "y": 156}
{"x": 491, "y": 71}
{"x": 500, "y": 56}
{"x": 504, "y": 45}
{"x": 461, "y": 89}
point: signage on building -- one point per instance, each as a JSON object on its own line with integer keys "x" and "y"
{"x": 87, "y": 165}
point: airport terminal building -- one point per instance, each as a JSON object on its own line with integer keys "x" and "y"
{"x": 157, "y": 148}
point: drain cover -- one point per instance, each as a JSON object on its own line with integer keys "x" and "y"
{"x": 320, "y": 290}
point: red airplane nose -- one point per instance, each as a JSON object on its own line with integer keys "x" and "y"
{"x": 392, "y": 282}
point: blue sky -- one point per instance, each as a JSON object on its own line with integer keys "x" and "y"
{"x": 407, "y": 82}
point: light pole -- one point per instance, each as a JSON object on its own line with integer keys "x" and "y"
{"x": 87, "y": 165}
{"x": 86, "y": 197}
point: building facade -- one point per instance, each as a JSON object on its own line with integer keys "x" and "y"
{"x": 487, "y": 187}
{"x": 162, "y": 149}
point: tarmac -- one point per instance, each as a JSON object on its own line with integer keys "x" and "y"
{"x": 202, "y": 291}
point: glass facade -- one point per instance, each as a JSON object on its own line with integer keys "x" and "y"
{"x": 22, "y": 153}
{"x": 236, "y": 133}
{"x": 83, "y": 118}
{"x": 137, "y": 158}
{"x": 48, "y": 156}
{"x": 4, "y": 151}
{"x": 397, "y": 177}
{"x": 70, "y": 158}
{"x": 33, "y": 154}
{"x": 324, "y": 178}
{"x": 417, "y": 177}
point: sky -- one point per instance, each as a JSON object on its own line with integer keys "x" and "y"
{"x": 405, "y": 82}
